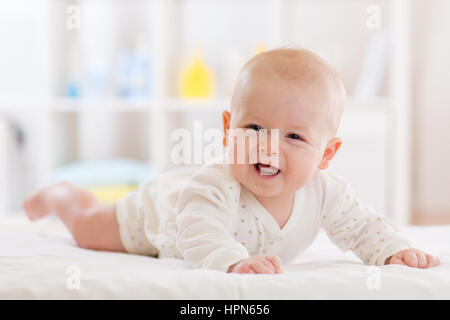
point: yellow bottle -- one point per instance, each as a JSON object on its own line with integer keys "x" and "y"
{"x": 196, "y": 80}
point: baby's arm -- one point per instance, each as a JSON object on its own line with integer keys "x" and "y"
{"x": 204, "y": 238}
{"x": 353, "y": 226}
{"x": 92, "y": 225}
{"x": 206, "y": 242}
{"x": 206, "y": 212}
{"x": 371, "y": 236}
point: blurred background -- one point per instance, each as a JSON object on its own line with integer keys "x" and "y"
{"x": 92, "y": 90}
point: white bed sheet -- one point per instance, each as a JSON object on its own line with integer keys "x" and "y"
{"x": 37, "y": 259}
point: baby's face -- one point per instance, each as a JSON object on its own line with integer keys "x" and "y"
{"x": 299, "y": 113}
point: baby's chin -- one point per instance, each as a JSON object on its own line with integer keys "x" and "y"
{"x": 264, "y": 192}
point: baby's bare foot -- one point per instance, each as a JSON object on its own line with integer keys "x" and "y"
{"x": 37, "y": 205}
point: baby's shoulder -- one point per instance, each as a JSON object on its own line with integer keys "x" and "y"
{"x": 212, "y": 183}
{"x": 330, "y": 183}
{"x": 214, "y": 173}
{"x": 216, "y": 177}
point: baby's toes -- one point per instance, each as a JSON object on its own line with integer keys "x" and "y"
{"x": 29, "y": 210}
{"x": 34, "y": 207}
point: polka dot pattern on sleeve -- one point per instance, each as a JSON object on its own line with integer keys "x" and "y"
{"x": 353, "y": 226}
{"x": 252, "y": 234}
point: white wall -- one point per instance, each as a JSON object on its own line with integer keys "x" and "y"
{"x": 432, "y": 106}
{"x": 3, "y": 161}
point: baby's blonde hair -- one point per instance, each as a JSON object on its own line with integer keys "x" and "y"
{"x": 298, "y": 65}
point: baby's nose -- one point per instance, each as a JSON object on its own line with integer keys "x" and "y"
{"x": 269, "y": 142}
{"x": 269, "y": 152}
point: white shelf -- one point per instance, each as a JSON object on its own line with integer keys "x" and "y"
{"x": 68, "y": 105}
{"x": 148, "y": 105}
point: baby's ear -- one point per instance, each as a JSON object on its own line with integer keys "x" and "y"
{"x": 330, "y": 151}
{"x": 226, "y": 118}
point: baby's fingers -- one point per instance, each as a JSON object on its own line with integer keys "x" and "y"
{"x": 432, "y": 261}
{"x": 276, "y": 262}
{"x": 259, "y": 267}
{"x": 245, "y": 269}
{"x": 411, "y": 259}
{"x": 395, "y": 260}
{"x": 268, "y": 264}
{"x": 421, "y": 260}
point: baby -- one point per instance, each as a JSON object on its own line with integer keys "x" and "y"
{"x": 253, "y": 216}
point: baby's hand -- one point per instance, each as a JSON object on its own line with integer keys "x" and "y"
{"x": 413, "y": 258}
{"x": 258, "y": 264}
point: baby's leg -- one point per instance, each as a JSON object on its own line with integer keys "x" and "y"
{"x": 92, "y": 224}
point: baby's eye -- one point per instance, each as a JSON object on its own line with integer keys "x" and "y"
{"x": 295, "y": 136}
{"x": 254, "y": 127}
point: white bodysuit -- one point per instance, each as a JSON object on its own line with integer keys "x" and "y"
{"x": 210, "y": 220}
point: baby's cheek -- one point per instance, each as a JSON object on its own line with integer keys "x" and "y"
{"x": 240, "y": 173}
{"x": 243, "y": 151}
{"x": 300, "y": 170}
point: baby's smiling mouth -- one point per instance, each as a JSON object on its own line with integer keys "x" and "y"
{"x": 266, "y": 170}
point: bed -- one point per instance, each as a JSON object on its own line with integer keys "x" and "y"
{"x": 41, "y": 261}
